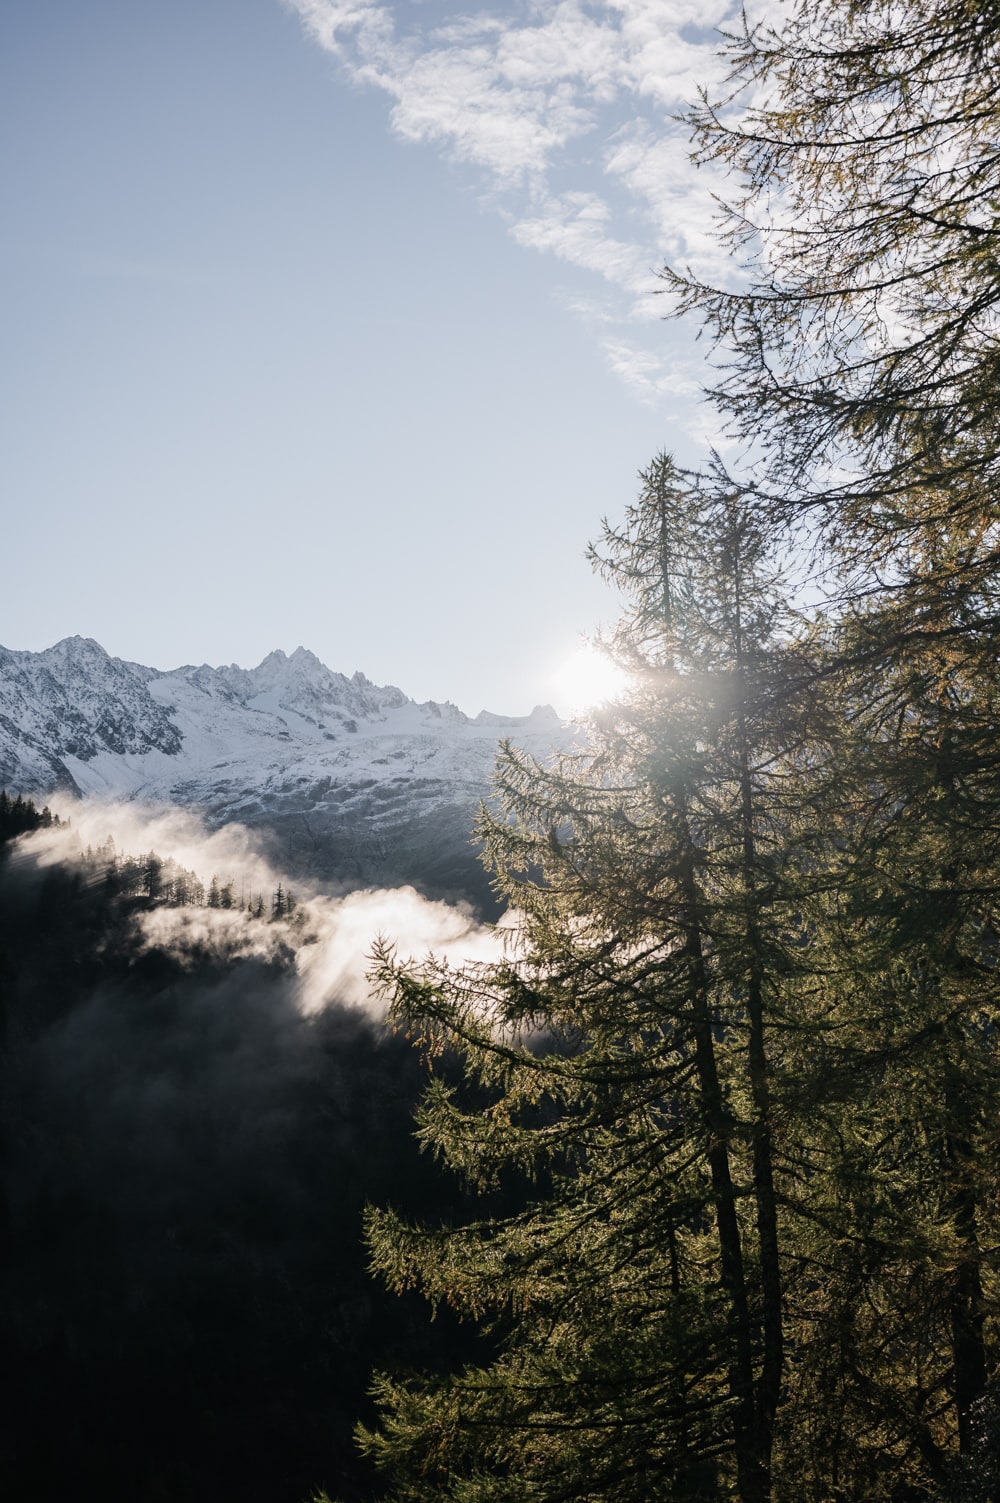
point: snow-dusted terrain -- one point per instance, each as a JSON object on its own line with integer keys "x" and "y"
{"x": 351, "y": 781}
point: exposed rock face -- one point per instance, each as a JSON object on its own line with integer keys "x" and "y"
{"x": 350, "y": 782}
{"x": 74, "y": 700}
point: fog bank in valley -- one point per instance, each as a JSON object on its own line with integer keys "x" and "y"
{"x": 196, "y": 1106}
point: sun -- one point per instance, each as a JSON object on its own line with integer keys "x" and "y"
{"x": 586, "y": 678}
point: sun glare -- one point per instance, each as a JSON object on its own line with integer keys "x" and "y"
{"x": 587, "y": 678}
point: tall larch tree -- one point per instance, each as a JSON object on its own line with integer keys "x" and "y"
{"x": 624, "y": 1064}
{"x": 860, "y": 346}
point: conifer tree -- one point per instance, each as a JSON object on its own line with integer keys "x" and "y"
{"x": 909, "y": 1187}
{"x": 861, "y": 350}
{"x": 622, "y": 1061}
{"x": 861, "y": 360}
{"x": 152, "y": 876}
{"x": 19, "y": 815}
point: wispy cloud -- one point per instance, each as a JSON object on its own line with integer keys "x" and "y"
{"x": 567, "y": 112}
{"x": 576, "y": 227}
{"x": 645, "y": 374}
{"x": 330, "y": 939}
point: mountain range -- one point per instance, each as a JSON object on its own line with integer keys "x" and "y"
{"x": 346, "y": 781}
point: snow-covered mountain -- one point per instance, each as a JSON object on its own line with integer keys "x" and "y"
{"x": 351, "y": 781}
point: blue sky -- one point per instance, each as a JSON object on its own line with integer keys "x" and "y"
{"x": 333, "y": 324}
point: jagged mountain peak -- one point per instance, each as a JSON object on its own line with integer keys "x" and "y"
{"x": 307, "y": 659}
{"x": 80, "y": 653}
{"x": 72, "y": 712}
{"x": 84, "y": 655}
{"x": 76, "y": 646}
{"x": 541, "y": 718}
{"x": 303, "y": 684}
{"x": 74, "y": 701}
{"x": 355, "y": 780}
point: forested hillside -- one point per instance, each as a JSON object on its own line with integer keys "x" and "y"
{"x": 184, "y": 1299}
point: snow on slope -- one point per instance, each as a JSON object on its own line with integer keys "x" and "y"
{"x": 290, "y": 745}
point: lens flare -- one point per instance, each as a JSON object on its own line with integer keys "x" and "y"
{"x": 587, "y": 678}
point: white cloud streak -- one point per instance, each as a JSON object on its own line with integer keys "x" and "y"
{"x": 330, "y": 939}
{"x": 566, "y": 113}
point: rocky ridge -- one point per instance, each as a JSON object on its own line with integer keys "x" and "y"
{"x": 348, "y": 781}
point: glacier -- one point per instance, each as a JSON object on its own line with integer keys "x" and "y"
{"x": 347, "y": 781}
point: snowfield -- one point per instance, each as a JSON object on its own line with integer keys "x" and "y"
{"x": 354, "y": 781}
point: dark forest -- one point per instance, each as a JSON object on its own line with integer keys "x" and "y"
{"x": 186, "y": 1307}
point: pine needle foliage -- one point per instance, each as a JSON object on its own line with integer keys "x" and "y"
{"x": 858, "y": 349}
{"x": 904, "y": 1147}
{"x": 625, "y": 1061}
{"x": 858, "y": 342}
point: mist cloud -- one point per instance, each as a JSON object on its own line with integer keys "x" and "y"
{"x": 195, "y": 1108}
{"x": 229, "y": 853}
{"x": 326, "y": 942}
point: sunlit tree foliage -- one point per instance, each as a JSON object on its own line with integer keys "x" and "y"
{"x": 741, "y": 1062}
{"x": 628, "y": 1060}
